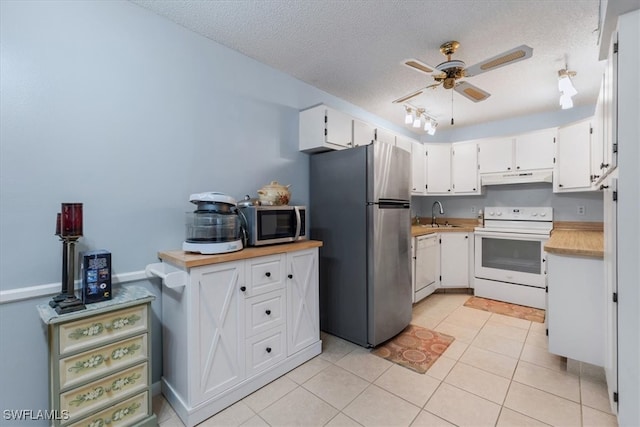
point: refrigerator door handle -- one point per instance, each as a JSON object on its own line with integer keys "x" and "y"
{"x": 393, "y": 205}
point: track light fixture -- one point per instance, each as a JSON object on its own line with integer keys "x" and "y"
{"x": 414, "y": 117}
{"x": 408, "y": 118}
{"x": 566, "y": 88}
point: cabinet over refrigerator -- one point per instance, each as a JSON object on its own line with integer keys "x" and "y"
{"x": 360, "y": 209}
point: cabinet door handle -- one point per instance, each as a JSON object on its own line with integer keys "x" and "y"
{"x": 602, "y": 187}
{"x": 268, "y": 349}
{"x": 290, "y": 276}
{"x": 268, "y": 274}
{"x": 243, "y": 288}
{"x": 508, "y": 169}
{"x": 560, "y": 185}
{"x": 268, "y": 312}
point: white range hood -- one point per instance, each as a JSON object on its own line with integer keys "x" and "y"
{"x": 523, "y": 177}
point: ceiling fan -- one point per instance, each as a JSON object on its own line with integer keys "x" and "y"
{"x": 449, "y": 72}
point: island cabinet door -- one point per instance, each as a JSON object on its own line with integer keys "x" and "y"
{"x": 218, "y": 329}
{"x": 303, "y": 326}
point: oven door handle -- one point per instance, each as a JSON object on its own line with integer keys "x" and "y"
{"x": 512, "y": 236}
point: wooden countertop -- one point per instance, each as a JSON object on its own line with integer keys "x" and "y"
{"x": 184, "y": 259}
{"x": 462, "y": 225}
{"x": 420, "y": 230}
{"x": 588, "y": 243}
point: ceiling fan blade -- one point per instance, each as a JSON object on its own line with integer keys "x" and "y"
{"x": 408, "y": 97}
{"x": 420, "y": 66}
{"x": 470, "y": 91}
{"x": 506, "y": 58}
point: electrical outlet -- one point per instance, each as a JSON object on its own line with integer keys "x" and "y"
{"x": 473, "y": 209}
{"x": 581, "y": 210}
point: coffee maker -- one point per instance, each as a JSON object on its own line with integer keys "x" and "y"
{"x": 214, "y": 227}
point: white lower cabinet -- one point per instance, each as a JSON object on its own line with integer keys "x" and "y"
{"x": 454, "y": 260}
{"x": 236, "y": 326}
{"x": 575, "y": 307}
{"x": 440, "y": 260}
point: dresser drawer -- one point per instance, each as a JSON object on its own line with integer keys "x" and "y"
{"x": 264, "y": 312}
{"x": 264, "y": 274}
{"x": 83, "y": 400}
{"x": 85, "y": 333}
{"x": 265, "y": 350}
{"x": 103, "y": 360}
{"x": 122, "y": 414}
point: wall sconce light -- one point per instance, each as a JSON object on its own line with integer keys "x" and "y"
{"x": 566, "y": 88}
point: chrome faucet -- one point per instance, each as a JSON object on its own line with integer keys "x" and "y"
{"x": 433, "y": 215}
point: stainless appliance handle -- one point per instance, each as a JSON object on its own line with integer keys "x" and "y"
{"x": 298, "y": 221}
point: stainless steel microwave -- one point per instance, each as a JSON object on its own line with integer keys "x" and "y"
{"x": 266, "y": 225}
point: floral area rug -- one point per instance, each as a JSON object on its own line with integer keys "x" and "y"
{"x": 507, "y": 309}
{"x": 415, "y": 348}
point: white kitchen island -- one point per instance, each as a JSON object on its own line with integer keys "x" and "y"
{"x": 234, "y": 322}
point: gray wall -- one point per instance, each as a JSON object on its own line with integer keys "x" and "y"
{"x": 108, "y": 104}
{"x": 564, "y": 205}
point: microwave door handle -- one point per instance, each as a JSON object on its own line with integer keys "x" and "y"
{"x": 298, "y": 220}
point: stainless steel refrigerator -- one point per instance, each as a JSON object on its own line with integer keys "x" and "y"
{"x": 360, "y": 208}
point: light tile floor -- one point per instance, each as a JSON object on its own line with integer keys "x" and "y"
{"x": 497, "y": 372}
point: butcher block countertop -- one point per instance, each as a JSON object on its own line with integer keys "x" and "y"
{"x": 460, "y": 225}
{"x": 184, "y": 259}
{"x": 576, "y": 241}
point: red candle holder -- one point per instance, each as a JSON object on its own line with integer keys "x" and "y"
{"x": 71, "y": 220}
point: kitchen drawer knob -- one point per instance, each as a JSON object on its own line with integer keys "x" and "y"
{"x": 268, "y": 312}
{"x": 290, "y": 276}
{"x": 243, "y": 288}
{"x": 268, "y": 274}
{"x": 517, "y": 167}
{"x": 268, "y": 349}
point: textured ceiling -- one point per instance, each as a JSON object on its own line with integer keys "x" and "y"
{"x": 355, "y": 49}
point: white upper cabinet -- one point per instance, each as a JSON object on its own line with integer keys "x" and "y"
{"x": 464, "y": 168}
{"x": 495, "y": 155}
{"x": 363, "y": 133}
{"x": 438, "y": 168}
{"x": 573, "y": 158}
{"x": 404, "y": 143}
{"x": 529, "y": 151}
{"x": 418, "y": 169}
{"x": 322, "y": 128}
{"x": 535, "y": 150}
{"x": 386, "y": 136}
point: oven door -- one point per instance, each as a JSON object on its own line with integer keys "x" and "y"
{"x": 510, "y": 257}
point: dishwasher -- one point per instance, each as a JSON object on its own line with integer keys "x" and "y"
{"x": 427, "y": 262}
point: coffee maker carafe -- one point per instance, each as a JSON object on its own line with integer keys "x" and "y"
{"x": 214, "y": 227}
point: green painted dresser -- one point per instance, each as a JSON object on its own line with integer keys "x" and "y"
{"x": 100, "y": 362}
